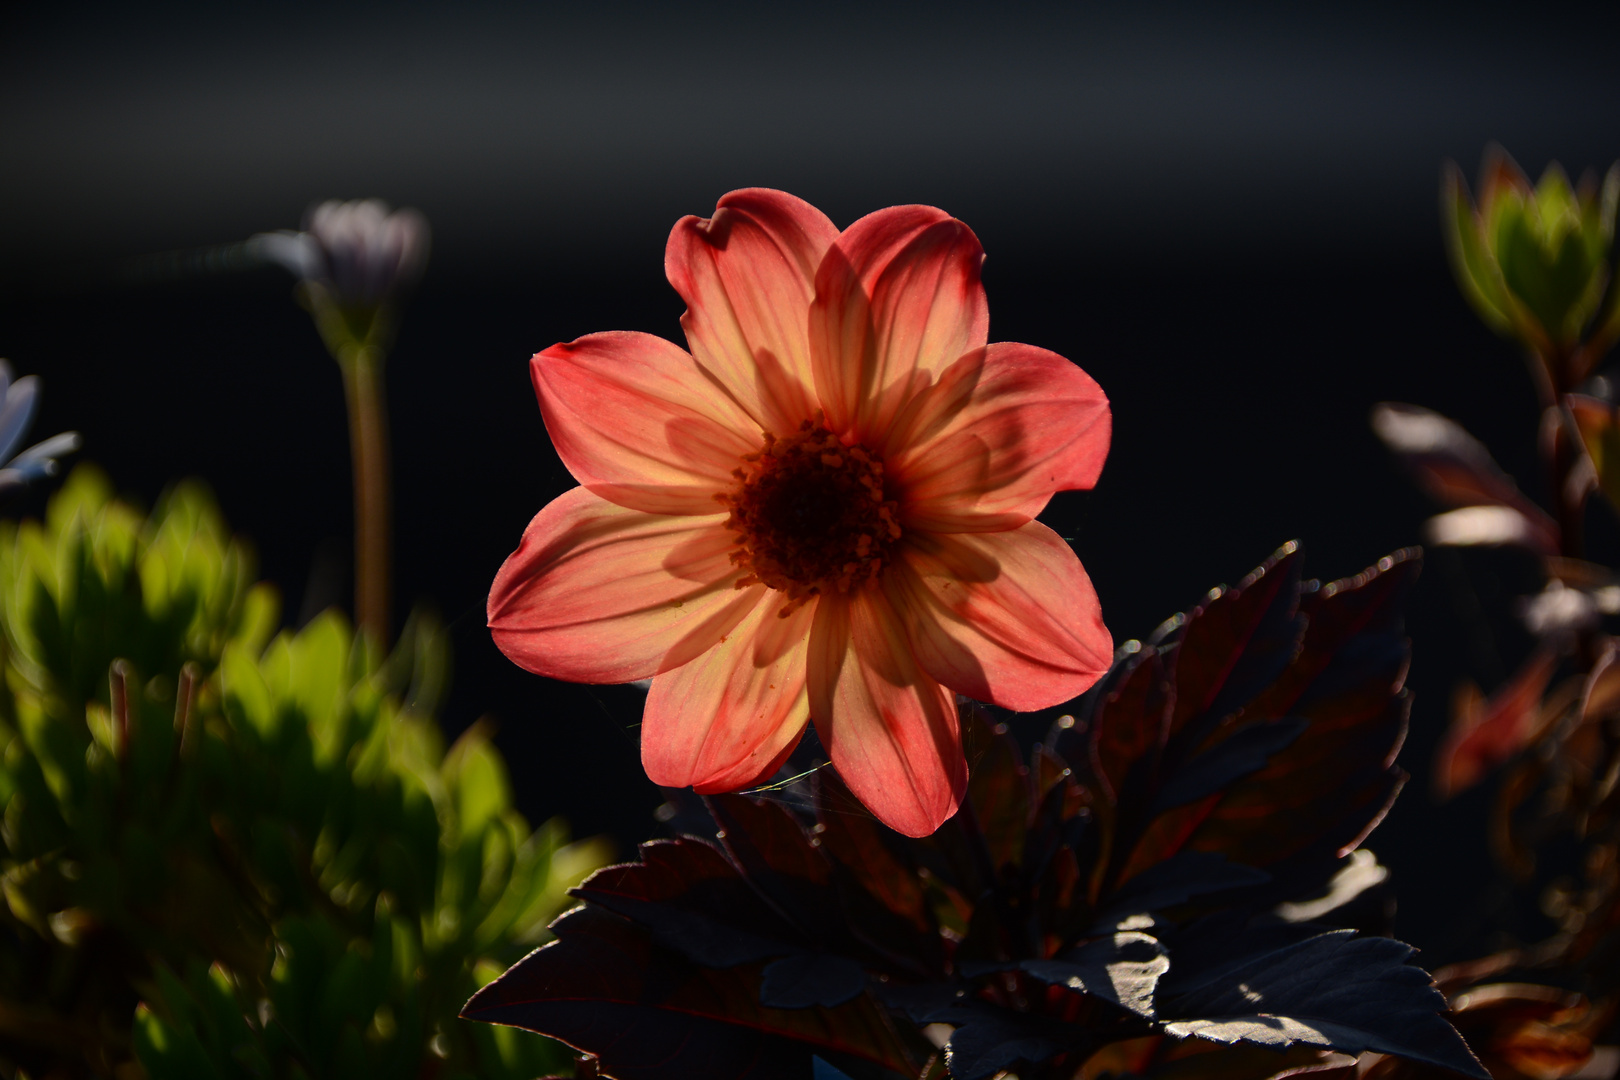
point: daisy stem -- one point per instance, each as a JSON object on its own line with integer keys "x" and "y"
{"x": 362, "y": 367}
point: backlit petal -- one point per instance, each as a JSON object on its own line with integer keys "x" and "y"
{"x": 600, "y": 594}
{"x": 635, "y": 421}
{"x": 888, "y": 726}
{"x": 748, "y": 275}
{"x": 728, "y": 717}
{"x": 1005, "y": 617}
{"x": 898, "y": 300}
{"x": 988, "y": 444}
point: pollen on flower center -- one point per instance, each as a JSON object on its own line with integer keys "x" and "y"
{"x": 810, "y": 515}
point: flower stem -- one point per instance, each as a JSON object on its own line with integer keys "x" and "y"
{"x": 1560, "y": 446}
{"x": 362, "y": 367}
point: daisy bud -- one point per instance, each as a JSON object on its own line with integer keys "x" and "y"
{"x": 353, "y": 260}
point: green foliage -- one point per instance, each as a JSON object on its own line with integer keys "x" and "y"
{"x": 258, "y": 851}
{"x": 1534, "y": 261}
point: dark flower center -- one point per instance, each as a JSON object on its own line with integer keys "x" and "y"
{"x": 810, "y": 515}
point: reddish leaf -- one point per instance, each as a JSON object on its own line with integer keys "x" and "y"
{"x": 1238, "y": 641}
{"x": 1244, "y": 751}
{"x": 1332, "y": 786}
{"x": 1521, "y": 1030}
{"x": 1483, "y": 734}
{"x": 1352, "y": 639}
{"x": 1306, "y": 765}
{"x": 1049, "y": 769}
{"x": 1336, "y": 781}
{"x": 1598, "y": 422}
{"x": 1130, "y": 724}
{"x": 775, "y": 853}
{"x": 855, "y": 842}
{"x": 1159, "y": 1057}
{"x": 998, "y": 789}
{"x": 1162, "y": 838}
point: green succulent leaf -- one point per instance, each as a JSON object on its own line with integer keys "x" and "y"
{"x": 283, "y": 872}
{"x": 1471, "y": 262}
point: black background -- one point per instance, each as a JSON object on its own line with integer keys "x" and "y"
{"x": 1227, "y": 218}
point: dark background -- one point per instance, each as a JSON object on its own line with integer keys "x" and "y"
{"x": 1228, "y": 218}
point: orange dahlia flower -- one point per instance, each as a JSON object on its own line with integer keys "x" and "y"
{"x": 825, "y": 511}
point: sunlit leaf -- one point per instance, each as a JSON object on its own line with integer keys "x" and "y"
{"x": 1456, "y": 470}
{"x": 1121, "y": 968}
{"x": 1336, "y": 990}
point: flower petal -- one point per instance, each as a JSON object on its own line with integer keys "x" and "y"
{"x": 890, "y": 729}
{"x": 730, "y": 716}
{"x": 635, "y": 421}
{"x": 988, "y": 444}
{"x": 898, "y": 299}
{"x": 1005, "y": 617}
{"x": 601, "y": 594}
{"x": 748, "y": 276}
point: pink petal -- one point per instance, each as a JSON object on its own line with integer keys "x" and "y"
{"x": 729, "y": 717}
{"x": 635, "y": 421}
{"x": 898, "y": 299}
{"x": 1004, "y": 617}
{"x": 988, "y": 444}
{"x": 601, "y": 594}
{"x": 889, "y": 728}
{"x": 748, "y": 276}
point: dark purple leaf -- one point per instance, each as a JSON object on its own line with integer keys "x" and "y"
{"x": 990, "y": 1041}
{"x": 875, "y": 885}
{"x": 797, "y": 982}
{"x": 869, "y": 853}
{"x": 776, "y": 856}
{"x": 694, "y": 901}
{"x": 988, "y": 1038}
{"x": 606, "y": 987}
{"x": 1244, "y": 751}
{"x": 824, "y": 1071}
{"x": 1176, "y": 880}
{"x": 1335, "y": 990}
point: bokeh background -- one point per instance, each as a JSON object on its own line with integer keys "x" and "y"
{"x": 1228, "y": 217}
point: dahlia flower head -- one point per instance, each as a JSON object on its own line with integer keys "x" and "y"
{"x": 825, "y": 511}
